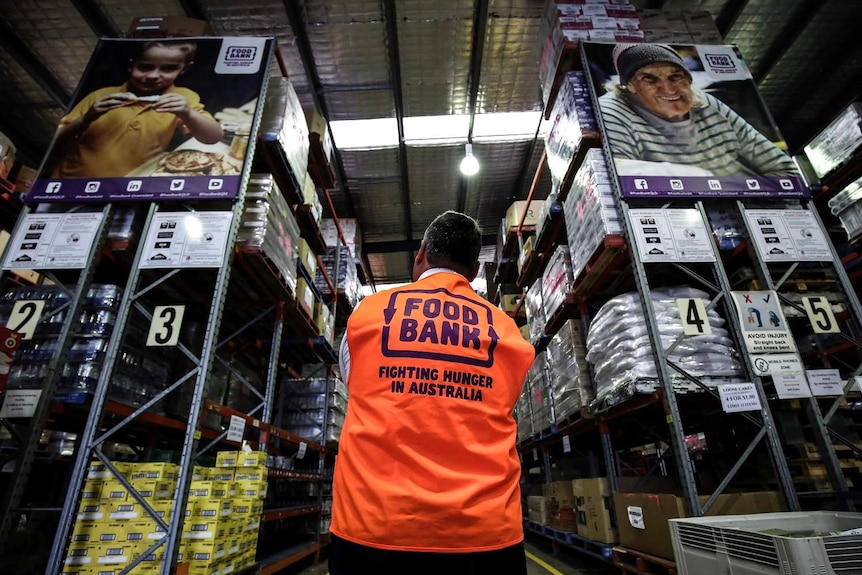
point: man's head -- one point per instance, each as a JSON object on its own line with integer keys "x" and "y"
{"x": 657, "y": 77}
{"x": 453, "y": 240}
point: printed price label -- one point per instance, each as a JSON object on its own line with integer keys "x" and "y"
{"x": 236, "y": 429}
{"x": 739, "y": 397}
{"x": 303, "y": 447}
{"x": 20, "y": 403}
{"x": 567, "y": 444}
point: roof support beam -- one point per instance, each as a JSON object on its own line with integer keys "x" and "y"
{"x": 294, "y": 11}
{"x": 12, "y": 43}
{"x": 389, "y": 17}
{"x": 477, "y": 50}
{"x": 793, "y": 29}
{"x": 193, "y": 9}
{"x": 728, "y": 16}
{"x": 408, "y": 245}
{"x": 97, "y": 19}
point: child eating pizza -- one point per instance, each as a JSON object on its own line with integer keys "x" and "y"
{"x": 114, "y": 130}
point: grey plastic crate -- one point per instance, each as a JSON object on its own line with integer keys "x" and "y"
{"x": 736, "y": 544}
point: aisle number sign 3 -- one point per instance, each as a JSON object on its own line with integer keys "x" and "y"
{"x": 165, "y": 326}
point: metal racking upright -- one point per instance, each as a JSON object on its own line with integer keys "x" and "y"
{"x": 29, "y": 431}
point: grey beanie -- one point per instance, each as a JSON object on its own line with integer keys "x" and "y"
{"x": 629, "y": 58}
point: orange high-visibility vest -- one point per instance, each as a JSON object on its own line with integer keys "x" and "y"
{"x": 427, "y": 457}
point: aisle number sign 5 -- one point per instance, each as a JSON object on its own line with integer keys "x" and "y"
{"x": 820, "y": 314}
{"x": 165, "y": 327}
{"x": 693, "y": 315}
{"x": 25, "y": 317}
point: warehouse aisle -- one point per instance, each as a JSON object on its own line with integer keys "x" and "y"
{"x": 540, "y": 561}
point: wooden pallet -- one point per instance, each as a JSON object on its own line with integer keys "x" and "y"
{"x": 642, "y": 563}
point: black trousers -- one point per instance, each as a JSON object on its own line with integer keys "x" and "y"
{"x": 348, "y": 558}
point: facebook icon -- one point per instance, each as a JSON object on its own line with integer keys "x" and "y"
{"x": 641, "y": 184}
{"x": 53, "y": 187}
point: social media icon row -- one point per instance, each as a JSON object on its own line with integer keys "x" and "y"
{"x": 751, "y": 184}
{"x": 132, "y": 186}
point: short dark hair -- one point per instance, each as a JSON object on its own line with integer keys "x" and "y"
{"x": 189, "y": 49}
{"x": 453, "y": 240}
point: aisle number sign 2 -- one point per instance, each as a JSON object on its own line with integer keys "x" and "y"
{"x": 165, "y": 327}
{"x": 693, "y": 315}
{"x": 820, "y": 314}
{"x": 25, "y": 317}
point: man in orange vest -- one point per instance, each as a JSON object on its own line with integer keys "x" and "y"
{"x": 427, "y": 472}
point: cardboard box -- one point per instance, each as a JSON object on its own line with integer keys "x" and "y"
{"x": 561, "y": 505}
{"x": 595, "y": 509}
{"x": 642, "y": 518}
{"x": 323, "y": 321}
{"x": 537, "y": 509}
{"x": 305, "y": 298}
{"x": 156, "y": 470}
{"x": 226, "y": 458}
{"x": 307, "y": 257}
{"x": 515, "y": 211}
{"x": 168, "y": 27}
{"x": 251, "y": 459}
{"x": 509, "y": 301}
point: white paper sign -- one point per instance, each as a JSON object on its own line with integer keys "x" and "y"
{"x": 165, "y": 327}
{"x": 671, "y": 235}
{"x": 636, "y": 517}
{"x": 25, "y": 316}
{"x": 567, "y": 444}
{"x": 825, "y": 381}
{"x": 791, "y": 385}
{"x": 777, "y": 363}
{"x": 236, "y": 429}
{"x": 187, "y": 240}
{"x": 788, "y": 235}
{"x": 721, "y": 63}
{"x": 820, "y": 314}
{"x": 53, "y": 241}
{"x": 20, "y": 402}
{"x": 303, "y": 447}
{"x": 739, "y": 397}
{"x": 762, "y": 321}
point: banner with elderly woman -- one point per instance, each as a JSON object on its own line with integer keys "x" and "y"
{"x": 687, "y": 120}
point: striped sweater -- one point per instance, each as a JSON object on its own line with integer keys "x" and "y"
{"x": 717, "y": 139}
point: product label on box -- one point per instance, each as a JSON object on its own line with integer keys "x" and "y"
{"x": 825, "y": 381}
{"x": 636, "y": 517}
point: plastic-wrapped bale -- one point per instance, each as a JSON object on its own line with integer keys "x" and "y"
{"x": 591, "y": 210}
{"x": 283, "y": 121}
{"x": 568, "y": 372}
{"x": 572, "y": 115}
{"x": 268, "y": 225}
{"x": 347, "y": 282}
{"x": 541, "y": 403}
{"x": 535, "y": 310}
{"x": 618, "y": 344}
{"x": 306, "y": 404}
{"x": 556, "y": 280}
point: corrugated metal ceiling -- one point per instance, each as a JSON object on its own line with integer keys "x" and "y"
{"x": 454, "y": 57}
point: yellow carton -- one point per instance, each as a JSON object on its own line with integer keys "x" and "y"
{"x": 199, "y": 473}
{"x": 118, "y": 554}
{"x": 92, "y": 511}
{"x": 153, "y": 489}
{"x": 304, "y": 296}
{"x": 211, "y": 508}
{"x": 207, "y": 550}
{"x": 251, "y": 459}
{"x": 209, "y": 489}
{"x": 125, "y": 510}
{"x": 220, "y": 474}
{"x": 114, "y": 491}
{"x": 200, "y": 528}
{"x": 323, "y": 321}
{"x": 243, "y": 506}
{"x": 226, "y": 458}
{"x": 99, "y": 470}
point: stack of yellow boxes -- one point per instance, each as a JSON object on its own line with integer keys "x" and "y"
{"x": 223, "y": 513}
{"x": 220, "y": 529}
{"x": 112, "y": 528}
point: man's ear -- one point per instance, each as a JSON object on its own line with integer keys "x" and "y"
{"x": 475, "y": 271}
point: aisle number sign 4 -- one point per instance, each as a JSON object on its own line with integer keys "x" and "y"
{"x": 165, "y": 326}
{"x": 693, "y": 315}
{"x": 820, "y": 314}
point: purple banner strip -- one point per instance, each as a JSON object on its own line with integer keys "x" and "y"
{"x": 146, "y": 189}
{"x": 713, "y": 186}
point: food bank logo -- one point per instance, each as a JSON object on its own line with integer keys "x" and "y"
{"x": 419, "y": 324}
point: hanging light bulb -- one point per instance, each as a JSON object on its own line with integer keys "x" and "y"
{"x": 469, "y": 165}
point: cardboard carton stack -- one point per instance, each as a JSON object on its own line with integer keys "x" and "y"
{"x": 591, "y": 210}
{"x": 594, "y": 506}
{"x": 568, "y": 372}
{"x": 541, "y": 405}
{"x": 221, "y": 522}
{"x": 566, "y": 22}
{"x": 571, "y": 118}
{"x": 556, "y": 280}
{"x": 561, "y": 505}
{"x": 283, "y": 123}
{"x": 306, "y": 404}
{"x": 535, "y": 310}
{"x": 679, "y": 27}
